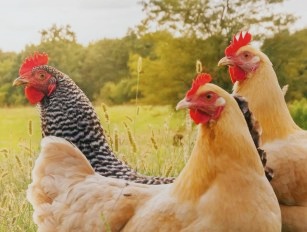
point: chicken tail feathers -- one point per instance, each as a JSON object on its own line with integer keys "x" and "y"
{"x": 59, "y": 165}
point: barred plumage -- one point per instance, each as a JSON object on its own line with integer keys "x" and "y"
{"x": 69, "y": 114}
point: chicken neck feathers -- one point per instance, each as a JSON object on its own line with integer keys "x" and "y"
{"x": 69, "y": 114}
{"x": 266, "y": 101}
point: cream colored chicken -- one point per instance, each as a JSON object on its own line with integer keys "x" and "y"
{"x": 221, "y": 188}
{"x": 285, "y": 143}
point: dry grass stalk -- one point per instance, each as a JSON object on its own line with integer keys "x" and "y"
{"x": 105, "y": 111}
{"x": 153, "y": 140}
{"x": 199, "y": 66}
{"x": 131, "y": 138}
{"x": 30, "y": 128}
{"x": 116, "y": 140}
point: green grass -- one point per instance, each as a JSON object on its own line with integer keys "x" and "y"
{"x": 14, "y": 127}
{"x": 143, "y": 137}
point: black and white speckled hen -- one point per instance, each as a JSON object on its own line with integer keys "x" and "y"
{"x": 66, "y": 112}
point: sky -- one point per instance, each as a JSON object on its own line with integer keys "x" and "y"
{"x": 91, "y": 20}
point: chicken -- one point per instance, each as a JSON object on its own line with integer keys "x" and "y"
{"x": 66, "y": 112}
{"x": 221, "y": 188}
{"x": 284, "y": 142}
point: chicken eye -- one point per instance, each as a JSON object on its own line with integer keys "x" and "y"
{"x": 41, "y": 76}
{"x": 208, "y": 96}
{"x": 246, "y": 55}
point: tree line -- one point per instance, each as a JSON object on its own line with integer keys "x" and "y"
{"x": 158, "y": 66}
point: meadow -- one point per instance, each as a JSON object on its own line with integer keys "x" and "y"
{"x": 149, "y": 138}
{"x": 154, "y": 140}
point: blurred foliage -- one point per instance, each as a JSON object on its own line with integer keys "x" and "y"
{"x": 298, "y": 109}
{"x": 288, "y": 53}
{"x": 170, "y": 66}
{"x": 123, "y": 92}
{"x": 104, "y": 61}
{"x": 106, "y": 70}
{"x": 205, "y": 18}
{"x": 58, "y": 33}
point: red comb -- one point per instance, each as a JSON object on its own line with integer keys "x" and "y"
{"x": 29, "y": 63}
{"x": 237, "y": 43}
{"x": 201, "y": 79}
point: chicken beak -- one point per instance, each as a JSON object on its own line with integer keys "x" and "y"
{"x": 183, "y": 104}
{"x": 225, "y": 61}
{"x": 20, "y": 81}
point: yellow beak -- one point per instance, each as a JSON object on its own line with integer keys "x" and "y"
{"x": 20, "y": 81}
{"x": 225, "y": 61}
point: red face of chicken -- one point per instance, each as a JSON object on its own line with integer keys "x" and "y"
{"x": 204, "y": 104}
{"x": 37, "y": 81}
{"x": 240, "y": 61}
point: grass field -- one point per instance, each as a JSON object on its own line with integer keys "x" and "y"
{"x": 145, "y": 135}
{"x": 148, "y": 136}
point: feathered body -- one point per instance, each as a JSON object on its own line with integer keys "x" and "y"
{"x": 284, "y": 142}
{"x": 66, "y": 112}
{"x": 221, "y": 188}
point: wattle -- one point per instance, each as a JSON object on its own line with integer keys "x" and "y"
{"x": 33, "y": 95}
{"x": 236, "y": 74}
{"x": 199, "y": 117}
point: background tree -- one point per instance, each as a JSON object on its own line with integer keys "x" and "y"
{"x": 169, "y": 66}
{"x": 288, "y": 53}
{"x": 105, "y": 61}
{"x": 205, "y": 18}
{"x": 60, "y": 43}
{"x": 106, "y": 70}
{"x": 198, "y": 29}
{"x": 8, "y": 69}
{"x": 58, "y": 33}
